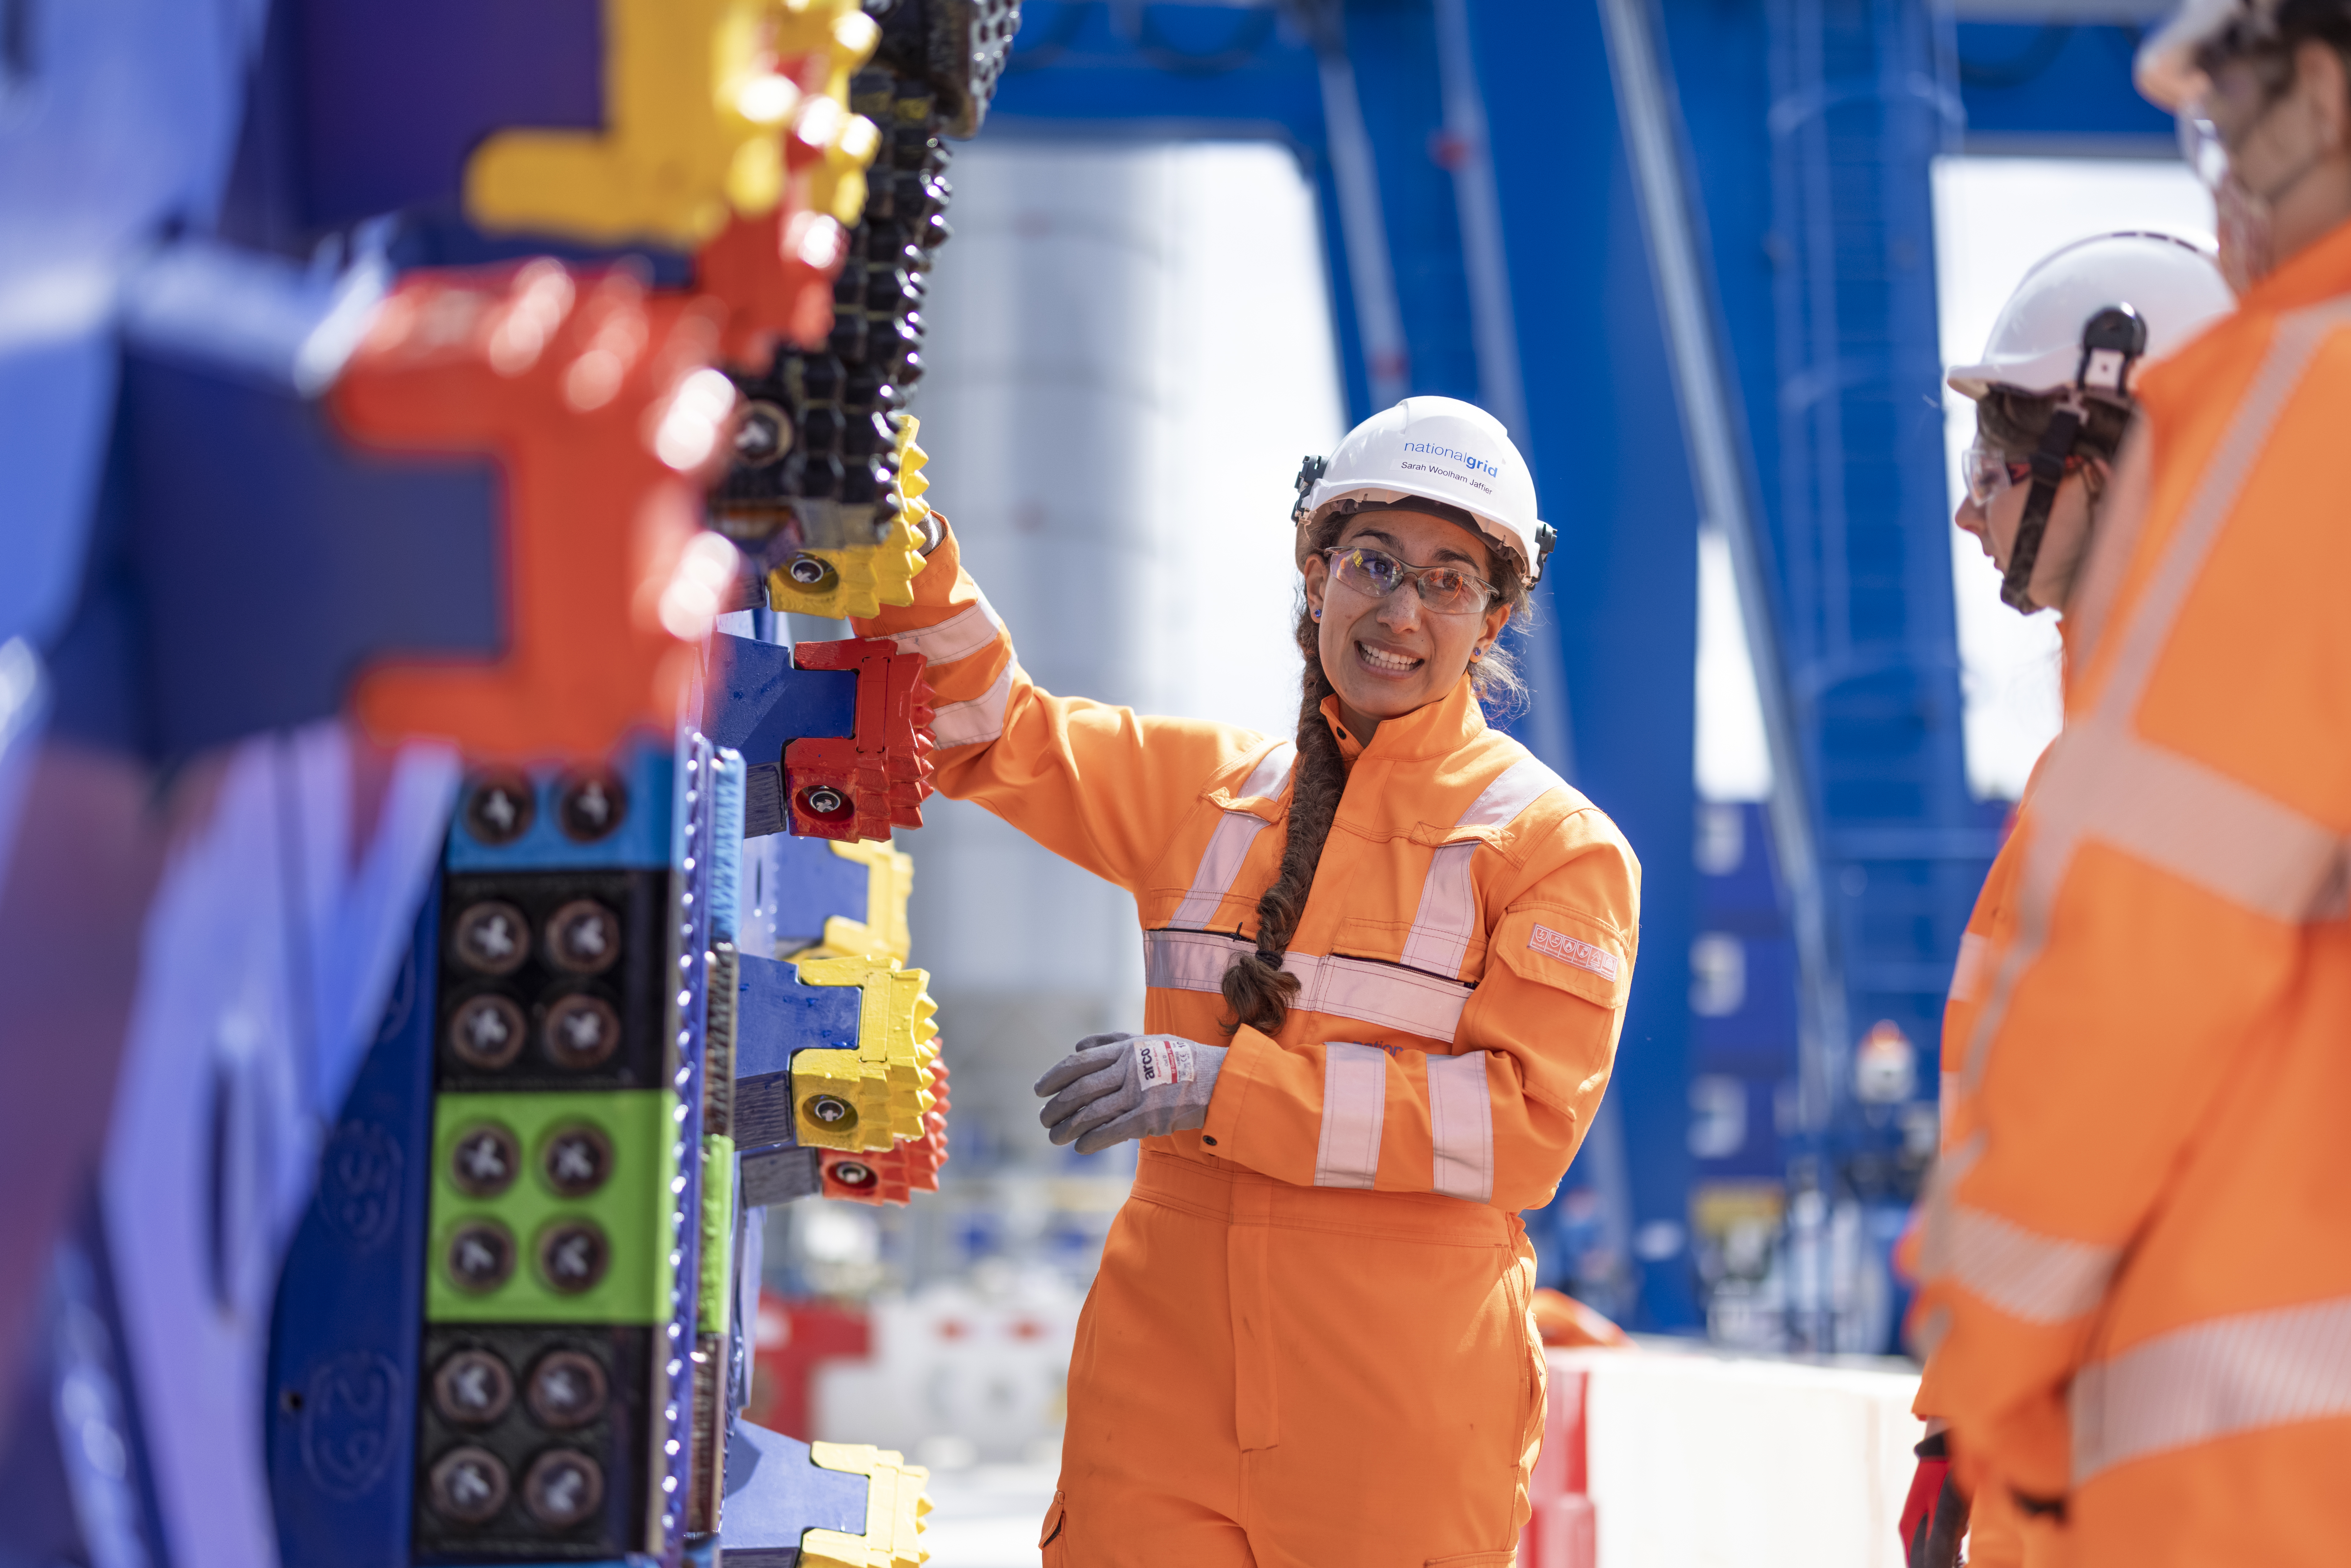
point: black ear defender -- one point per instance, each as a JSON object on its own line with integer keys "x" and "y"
{"x": 2114, "y": 339}
{"x": 1311, "y": 470}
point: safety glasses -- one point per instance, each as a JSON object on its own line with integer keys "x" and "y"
{"x": 1989, "y": 470}
{"x": 1444, "y": 589}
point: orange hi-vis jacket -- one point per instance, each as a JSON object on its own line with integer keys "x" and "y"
{"x": 2139, "y": 1253}
{"x": 1309, "y": 1341}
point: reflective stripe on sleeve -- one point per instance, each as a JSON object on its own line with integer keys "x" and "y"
{"x": 981, "y": 719}
{"x": 959, "y": 636}
{"x": 1461, "y": 1127}
{"x": 1358, "y": 988}
{"x": 1229, "y": 845}
{"x": 1974, "y": 968}
{"x": 1354, "y": 1104}
{"x": 2239, "y": 1374}
{"x": 1521, "y": 784}
{"x": 2039, "y": 1279}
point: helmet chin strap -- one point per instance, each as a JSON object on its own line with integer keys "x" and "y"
{"x": 2112, "y": 340}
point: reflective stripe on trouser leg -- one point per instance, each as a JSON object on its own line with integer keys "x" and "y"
{"x": 1354, "y": 1104}
{"x": 1461, "y": 1127}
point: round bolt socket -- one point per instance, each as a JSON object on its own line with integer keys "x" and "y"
{"x": 573, "y": 1256}
{"x": 467, "y": 1485}
{"x": 566, "y": 1389}
{"x": 583, "y": 938}
{"x": 480, "y": 1256}
{"x": 762, "y": 436}
{"x": 499, "y": 808}
{"x": 830, "y": 1111}
{"x": 590, "y": 807}
{"x": 577, "y": 1160}
{"x": 484, "y": 1161}
{"x": 493, "y": 938}
{"x": 582, "y": 1031}
{"x": 824, "y": 801}
{"x": 807, "y": 571}
{"x": 850, "y": 1174}
{"x": 486, "y": 1032}
{"x": 472, "y": 1388}
{"x": 562, "y": 1486}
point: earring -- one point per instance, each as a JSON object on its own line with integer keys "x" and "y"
{"x": 1316, "y": 614}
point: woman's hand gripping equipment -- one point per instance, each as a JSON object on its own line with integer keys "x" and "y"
{"x": 1119, "y": 1086}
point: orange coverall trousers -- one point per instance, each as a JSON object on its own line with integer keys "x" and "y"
{"x": 1369, "y": 1438}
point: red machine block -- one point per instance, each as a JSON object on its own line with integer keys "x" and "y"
{"x": 597, "y": 399}
{"x": 909, "y": 1166}
{"x": 860, "y": 786}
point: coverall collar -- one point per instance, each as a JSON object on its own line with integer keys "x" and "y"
{"x": 1425, "y": 734}
{"x": 2320, "y": 271}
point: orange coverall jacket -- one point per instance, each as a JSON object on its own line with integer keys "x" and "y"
{"x": 2139, "y": 1253}
{"x": 1308, "y": 1342}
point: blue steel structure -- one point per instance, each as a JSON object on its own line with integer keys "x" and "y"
{"x": 1797, "y": 138}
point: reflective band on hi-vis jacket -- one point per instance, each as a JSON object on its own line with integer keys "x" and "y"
{"x": 2240, "y": 1374}
{"x": 981, "y": 719}
{"x": 1230, "y": 845}
{"x": 959, "y": 636}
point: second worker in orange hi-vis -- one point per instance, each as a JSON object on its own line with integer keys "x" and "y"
{"x": 1387, "y": 963}
{"x": 2138, "y": 1249}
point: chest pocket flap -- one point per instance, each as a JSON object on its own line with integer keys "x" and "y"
{"x": 1554, "y": 946}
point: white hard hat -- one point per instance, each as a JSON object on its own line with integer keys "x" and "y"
{"x": 2166, "y": 71}
{"x": 2174, "y": 285}
{"x": 1435, "y": 449}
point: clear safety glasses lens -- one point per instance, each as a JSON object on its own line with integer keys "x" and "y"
{"x": 1985, "y": 469}
{"x": 1445, "y": 590}
{"x": 2200, "y": 145}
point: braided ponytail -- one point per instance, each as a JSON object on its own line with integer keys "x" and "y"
{"x": 1256, "y": 986}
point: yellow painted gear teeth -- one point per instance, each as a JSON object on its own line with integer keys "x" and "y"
{"x": 695, "y": 127}
{"x": 887, "y": 1079}
{"x": 866, "y": 577}
{"x": 895, "y": 1507}
{"x": 883, "y": 934}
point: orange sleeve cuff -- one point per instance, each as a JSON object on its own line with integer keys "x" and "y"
{"x": 1266, "y": 1112}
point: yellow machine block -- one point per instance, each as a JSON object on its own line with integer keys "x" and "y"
{"x": 696, "y": 111}
{"x": 863, "y": 577}
{"x": 891, "y": 1090}
{"x": 895, "y": 1507}
{"x": 884, "y": 933}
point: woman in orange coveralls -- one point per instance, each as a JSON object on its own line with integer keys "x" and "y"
{"x": 1387, "y": 963}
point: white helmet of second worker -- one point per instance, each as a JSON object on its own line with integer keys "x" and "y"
{"x": 2173, "y": 285}
{"x": 1435, "y": 449}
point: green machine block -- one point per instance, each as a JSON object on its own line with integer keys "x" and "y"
{"x": 552, "y": 1208}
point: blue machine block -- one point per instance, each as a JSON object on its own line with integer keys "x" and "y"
{"x": 343, "y": 1339}
{"x": 2038, "y": 88}
{"x": 776, "y": 1494}
{"x": 798, "y": 883}
{"x": 758, "y": 702}
{"x": 776, "y": 1015}
{"x": 640, "y": 844}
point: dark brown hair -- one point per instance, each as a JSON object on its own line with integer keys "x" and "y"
{"x": 1256, "y": 986}
{"x": 2014, "y": 422}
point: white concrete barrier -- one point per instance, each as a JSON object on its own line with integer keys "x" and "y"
{"x": 1700, "y": 1460}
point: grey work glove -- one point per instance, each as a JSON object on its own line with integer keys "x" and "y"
{"x": 1119, "y": 1086}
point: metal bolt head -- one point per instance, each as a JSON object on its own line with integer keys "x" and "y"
{"x": 823, "y": 800}
{"x": 763, "y": 435}
{"x": 581, "y": 1030}
{"x": 592, "y": 807}
{"x": 467, "y": 1485}
{"x": 499, "y": 808}
{"x": 562, "y": 1486}
{"x": 472, "y": 1388}
{"x": 577, "y": 1160}
{"x": 484, "y": 1160}
{"x": 492, "y": 938}
{"x": 852, "y": 1174}
{"x": 480, "y": 1256}
{"x": 807, "y": 571}
{"x": 830, "y": 1111}
{"x": 584, "y": 937}
{"x": 566, "y": 1389}
{"x": 486, "y": 1032}
{"x": 573, "y": 1256}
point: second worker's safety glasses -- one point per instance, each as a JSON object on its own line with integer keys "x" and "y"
{"x": 1444, "y": 589}
{"x": 1989, "y": 470}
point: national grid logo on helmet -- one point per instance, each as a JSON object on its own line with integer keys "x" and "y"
{"x": 1474, "y": 465}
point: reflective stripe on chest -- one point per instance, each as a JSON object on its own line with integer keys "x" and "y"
{"x": 1423, "y": 994}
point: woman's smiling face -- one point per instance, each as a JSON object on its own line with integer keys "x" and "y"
{"x": 1388, "y": 656}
